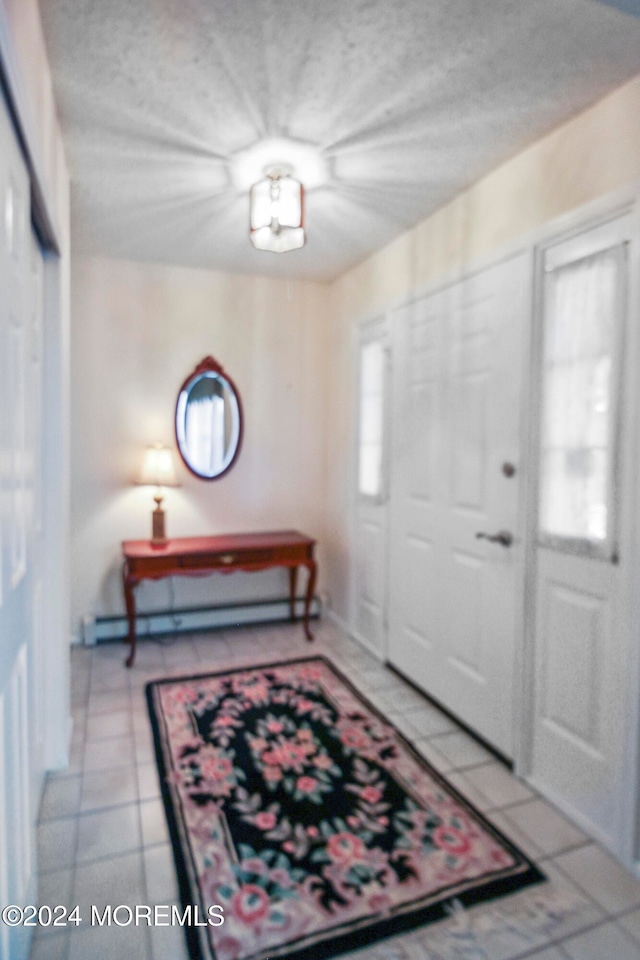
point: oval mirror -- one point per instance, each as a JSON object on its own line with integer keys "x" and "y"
{"x": 208, "y": 421}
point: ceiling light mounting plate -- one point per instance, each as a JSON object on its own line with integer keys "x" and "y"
{"x": 275, "y": 171}
{"x": 302, "y": 161}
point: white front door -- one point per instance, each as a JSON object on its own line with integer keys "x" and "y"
{"x": 456, "y": 580}
{"x": 371, "y": 508}
{"x": 17, "y": 476}
{"x": 583, "y": 654}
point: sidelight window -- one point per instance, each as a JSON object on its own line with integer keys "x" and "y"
{"x": 371, "y": 419}
{"x": 583, "y": 303}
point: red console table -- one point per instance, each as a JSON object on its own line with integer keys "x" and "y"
{"x": 193, "y": 556}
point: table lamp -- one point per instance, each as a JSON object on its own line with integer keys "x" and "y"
{"x": 158, "y": 470}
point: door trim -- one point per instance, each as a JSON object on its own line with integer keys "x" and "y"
{"x": 593, "y": 216}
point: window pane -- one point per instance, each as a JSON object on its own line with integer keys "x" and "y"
{"x": 577, "y": 429}
{"x": 371, "y": 426}
{"x": 371, "y": 420}
{"x": 370, "y": 471}
{"x": 372, "y": 372}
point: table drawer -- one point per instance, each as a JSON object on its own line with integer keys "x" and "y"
{"x": 228, "y": 559}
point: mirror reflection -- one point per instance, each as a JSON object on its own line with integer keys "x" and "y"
{"x": 208, "y": 421}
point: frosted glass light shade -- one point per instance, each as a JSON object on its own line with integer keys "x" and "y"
{"x": 277, "y": 214}
{"x": 158, "y": 467}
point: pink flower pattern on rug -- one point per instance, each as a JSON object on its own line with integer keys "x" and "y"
{"x": 297, "y": 808}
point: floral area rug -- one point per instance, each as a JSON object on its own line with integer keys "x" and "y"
{"x": 300, "y": 811}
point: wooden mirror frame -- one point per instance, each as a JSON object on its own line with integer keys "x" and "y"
{"x": 209, "y": 365}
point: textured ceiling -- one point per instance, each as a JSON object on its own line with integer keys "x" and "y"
{"x": 409, "y": 101}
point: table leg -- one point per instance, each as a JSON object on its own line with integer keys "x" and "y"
{"x": 129, "y": 583}
{"x": 311, "y": 565}
{"x": 293, "y": 580}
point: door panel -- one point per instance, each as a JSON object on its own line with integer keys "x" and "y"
{"x": 577, "y": 735}
{"x": 469, "y": 446}
{"x": 578, "y": 620}
{"x": 458, "y": 378}
{"x": 423, "y": 401}
{"x": 415, "y": 541}
{"x": 419, "y": 592}
{"x": 371, "y": 577}
{"x": 466, "y": 622}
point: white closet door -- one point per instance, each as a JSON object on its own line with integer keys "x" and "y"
{"x": 17, "y": 806}
{"x": 586, "y": 519}
{"x": 456, "y": 599}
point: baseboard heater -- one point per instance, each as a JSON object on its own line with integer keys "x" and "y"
{"x": 159, "y": 623}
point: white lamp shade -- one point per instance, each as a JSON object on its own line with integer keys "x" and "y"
{"x": 158, "y": 467}
{"x": 277, "y": 214}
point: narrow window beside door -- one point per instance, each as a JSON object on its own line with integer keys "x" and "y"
{"x": 583, "y": 300}
{"x": 371, "y": 425}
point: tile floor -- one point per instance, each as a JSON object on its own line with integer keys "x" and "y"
{"x": 103, "y": 838}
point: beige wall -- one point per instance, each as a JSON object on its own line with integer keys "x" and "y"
{"x": 137, "y": 331}
{"x": 590, "y": 156}
{"x": 586, "y": 158}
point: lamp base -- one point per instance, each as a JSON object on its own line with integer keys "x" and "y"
{"x": 158, "y": 534}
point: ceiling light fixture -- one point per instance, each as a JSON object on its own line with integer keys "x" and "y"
{"x": 277, "y": 211}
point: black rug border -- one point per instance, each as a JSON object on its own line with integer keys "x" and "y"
{"x": 352, "y": 940}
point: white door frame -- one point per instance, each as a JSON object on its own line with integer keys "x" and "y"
{"x": 621, "y": 202}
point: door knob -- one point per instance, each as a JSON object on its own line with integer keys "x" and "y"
{"x": 503, "y": 537}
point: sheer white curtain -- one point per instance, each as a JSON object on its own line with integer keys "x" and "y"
{"x": 578, "y": 397}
